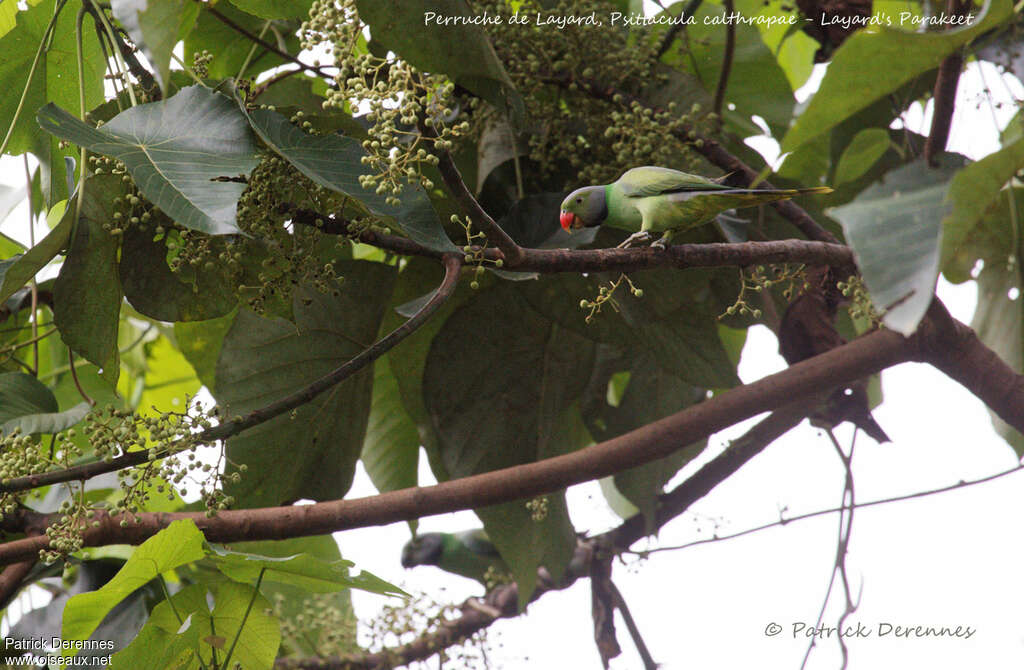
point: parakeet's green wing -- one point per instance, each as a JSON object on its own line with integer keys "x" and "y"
{"x": 478, "y": 542}
{"x": 647, "y": 181}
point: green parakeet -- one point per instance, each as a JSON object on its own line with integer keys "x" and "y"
{"x": 655, "y": 199}
{"x": 469, "y": 553}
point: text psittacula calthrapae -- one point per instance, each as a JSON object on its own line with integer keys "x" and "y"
{"x": 655, "y": 199}
{"x": 468, "y": 554}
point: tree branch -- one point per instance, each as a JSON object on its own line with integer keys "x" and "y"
{"x": 503, "y": 599}
{"x": 802, "y": 382}
{"x": 11, "y": 580}
{"x": 453, "y": 179}
{"x": 730, "y": 48}
{"x": 226, "y": 429}
{"x": 944, "y": 94}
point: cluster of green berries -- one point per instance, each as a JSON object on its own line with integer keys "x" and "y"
{"x": 395, "y": 98}
{"x": 606, "y": 295}
{"x": 285, "y": 255}
{"x": 476, "y": 244}
{"x": 759, "y": 279}
{"x": 322, "y": 623}
{"x": 201, "y": 63}
{"x": 861, "y": 307}
{"x": 538, "y": 508}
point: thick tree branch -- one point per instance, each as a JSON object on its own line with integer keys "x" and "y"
{"x": 802, "y": 382}
{"x": 229, "y": 428}
{"x": 11, "y": 580}
{"x": 501, "y": 602}
{"x": 741, "y": 254}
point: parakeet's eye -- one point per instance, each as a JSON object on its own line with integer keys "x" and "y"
{"x": 579, "y": 200}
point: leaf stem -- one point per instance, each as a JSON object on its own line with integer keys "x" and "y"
{"x": 105, "y": 22}
{"x": 252, "y": 51}
{"x": 245, "y": 617}
{"x": 34, "y": 287}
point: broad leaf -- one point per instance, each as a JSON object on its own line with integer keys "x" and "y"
{"x": 526, "y": 376}
{"x": 974, "y": 191}
{"x": 23, "y": 395}
{"x": 152, "y": 288}
{"x": 178, "y": 544}
{"x": 460, "y": 50}
{"x": 55, "y": 81}
{"x": 177, "y": 151}
{"x": 894, "y": 228}
{"x": 265, "y": 359}
{"x": 167, "y": 641}
{"x": 873, "y": 63}
{"x": 866, "y": 148}
{"x": 275, "y": 9}
{"x": 335, "y": 162}
{"x": 304, "y": 570}
{"x": 87, "y": 293}
{"x": 651, "y": 393}
{"x": 156, "y": 26}
{"x": 391, "y": 451}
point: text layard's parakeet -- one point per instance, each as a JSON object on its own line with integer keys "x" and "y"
{"x": 468, "y": 554}
{"x": 655, "y": 199}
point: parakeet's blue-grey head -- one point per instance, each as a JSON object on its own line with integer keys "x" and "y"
{"x": 423, "y": 550}
{"x": 585, "y": 207}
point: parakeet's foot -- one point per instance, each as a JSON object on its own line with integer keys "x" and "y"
{"x": 635, "y": 239}
{"x": 662, "y": 242}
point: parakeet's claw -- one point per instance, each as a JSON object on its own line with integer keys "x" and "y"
{"x": 635, "y": 239}
{"x": 662, "y": 242}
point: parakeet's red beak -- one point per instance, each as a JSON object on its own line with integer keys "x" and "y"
{"x": 568, "y": 221}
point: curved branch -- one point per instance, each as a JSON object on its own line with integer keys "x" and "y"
{"x": 11, "y": 579}
{"x": 730, "y": 48}
{"x": 226, "y": 429}
{"x": 453, "y": 179}
{"x": 802, "y": 382}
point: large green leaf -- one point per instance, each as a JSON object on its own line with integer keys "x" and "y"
{"x": 526, "y": 377}
{"x": 22, "y": 395}
{"x": 460, "y": 50}
{"x": 304, "y": 570}
{"x": 863, "y": 151}
{"x": 290, "y": 601}
{"x": 873, "y": 63}
{"x": 154, "y": 290}
{"x": 180, "y": 543}
{"x": 335, "y": 162}
{"x": 186, "y": 626}
{"x": 894, "y": 228}
{"x": 157, "y": 27}
{"x": 176, "y": 150}
{"x": 55, "y": 81}
{"x": 651, "y": 393}
{"x": 275, "y": 9}
{"x": 974, "y": 191}
{"x": 997, "y": 321}
{"x": 87, "y": 294}
{"x": 392, "y": 447}
{"x": 265, "y": 359}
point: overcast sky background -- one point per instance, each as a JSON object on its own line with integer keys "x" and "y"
{"x": 946, "y": 560}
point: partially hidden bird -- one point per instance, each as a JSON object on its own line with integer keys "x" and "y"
{"x": 655, "y": 199}
{"x": 469, "y": 553}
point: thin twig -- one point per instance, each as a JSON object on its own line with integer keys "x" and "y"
{"x": 634, "y": 630}
{"x": 675, "y": 28}
{"x": 260, "y": 41}
{"x": 78, "y": 384}
{"x": 727, "y": 56}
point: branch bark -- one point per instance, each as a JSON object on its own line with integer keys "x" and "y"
{"x": 802, "y": 382}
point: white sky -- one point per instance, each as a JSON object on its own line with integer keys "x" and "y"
{"x": 945, "y": 560}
